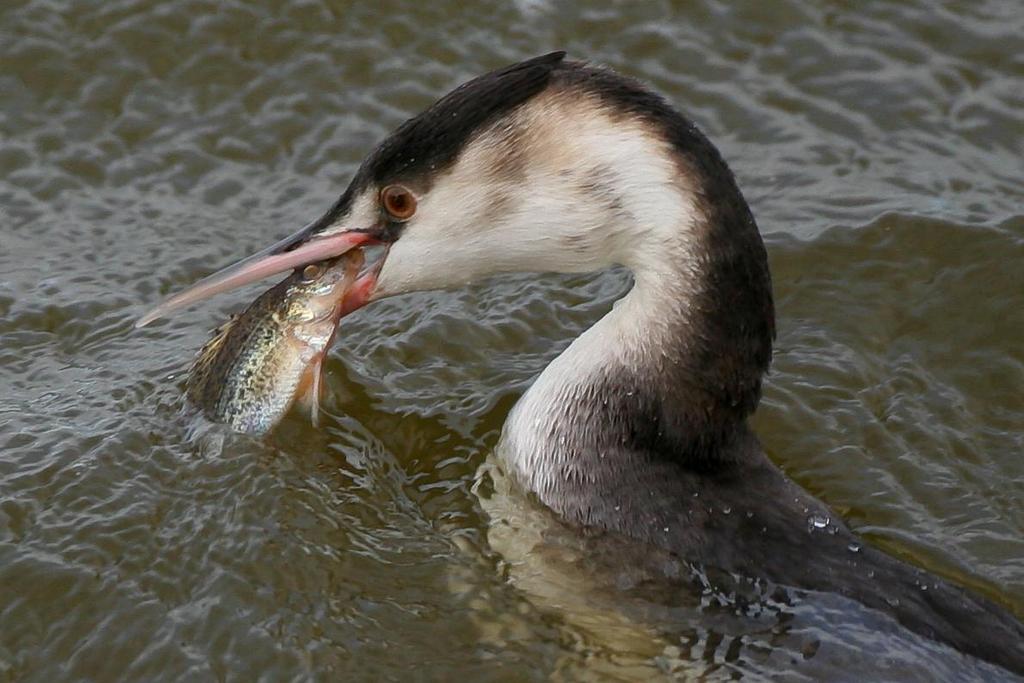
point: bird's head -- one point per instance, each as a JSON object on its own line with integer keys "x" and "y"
{"x": 543, "y": 166}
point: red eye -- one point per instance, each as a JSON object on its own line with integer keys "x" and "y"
{"x": 398, "y": 201}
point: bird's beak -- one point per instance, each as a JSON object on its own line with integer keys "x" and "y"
{"x": 297, "y": 250}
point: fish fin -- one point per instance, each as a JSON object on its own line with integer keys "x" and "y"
{"x": 314, "y": 398}
{"x": 206, "y": 355}
{"x": 313, "y": 385}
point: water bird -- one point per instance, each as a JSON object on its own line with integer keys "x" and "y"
{"x": 640, "y": 427}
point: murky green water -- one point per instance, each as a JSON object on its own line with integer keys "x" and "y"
{"x": 143, "y": 144}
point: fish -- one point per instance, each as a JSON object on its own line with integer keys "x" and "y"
{"x": 257, "y": 364}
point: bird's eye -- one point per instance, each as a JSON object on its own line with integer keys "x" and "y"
{"x": 398, "y": 201}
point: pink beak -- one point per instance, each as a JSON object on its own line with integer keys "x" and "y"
{"x": 292, "y": 252}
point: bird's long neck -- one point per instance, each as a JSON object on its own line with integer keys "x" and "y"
{"x": 674, "y": 370}
{"x": 581, "y": 408}
{"x": 670, "y": 373}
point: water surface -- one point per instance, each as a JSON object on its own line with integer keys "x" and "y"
{"x": 143, "y": 144}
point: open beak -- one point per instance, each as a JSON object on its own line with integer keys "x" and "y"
{"x": 297, "y": 250}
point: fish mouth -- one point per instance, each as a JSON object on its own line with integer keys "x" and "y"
{"x": 295, "y": 251}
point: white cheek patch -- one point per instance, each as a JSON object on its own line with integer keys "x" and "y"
{"x": 557, "y": 186}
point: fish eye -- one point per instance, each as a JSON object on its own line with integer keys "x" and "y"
{"x": 398, "y": 201}
{"x": 312, "y": 271}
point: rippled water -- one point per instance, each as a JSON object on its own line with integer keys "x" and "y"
{"x": 143, "y": 144}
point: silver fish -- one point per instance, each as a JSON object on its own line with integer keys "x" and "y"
{"x": 258, "y": 363}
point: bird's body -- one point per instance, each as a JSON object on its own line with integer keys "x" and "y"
{"x": 640, "y": 427}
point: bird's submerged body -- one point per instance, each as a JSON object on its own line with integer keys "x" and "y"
{"x": 639, "y": 429}
{"x": 576, "y": 441}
